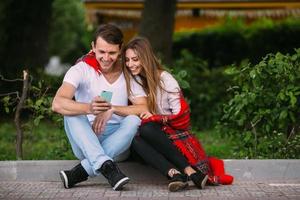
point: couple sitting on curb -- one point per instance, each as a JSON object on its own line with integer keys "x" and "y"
{"x": 100, "y": 124}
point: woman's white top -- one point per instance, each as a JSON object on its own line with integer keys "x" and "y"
{"x": 168, "y": 100}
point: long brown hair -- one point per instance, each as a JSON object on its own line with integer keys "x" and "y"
{"x": 151, "y": 69}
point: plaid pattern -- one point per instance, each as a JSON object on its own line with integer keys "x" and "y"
{"x": 177, "y": 127}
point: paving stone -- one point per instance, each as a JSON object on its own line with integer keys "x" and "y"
{"x": 147, "y": 191}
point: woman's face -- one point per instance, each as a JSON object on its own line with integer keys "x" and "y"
{"x": 133, "y": 62}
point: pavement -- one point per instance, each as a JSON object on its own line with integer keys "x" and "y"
{"x": 254, "y": 179}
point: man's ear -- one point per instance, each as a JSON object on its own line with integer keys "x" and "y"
{"x": 93, "y": 46}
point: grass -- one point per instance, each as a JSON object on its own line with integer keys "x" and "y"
{"x": 49, "y": 142}
{"x": 215, "y": 144}
{"x": 44, "y": 142}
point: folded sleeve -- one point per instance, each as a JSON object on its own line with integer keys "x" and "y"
{"x": 136, "y": 89}
{"x": 74, "y": 75}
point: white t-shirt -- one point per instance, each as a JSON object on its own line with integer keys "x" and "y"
{"x": 168, "y": 102}
{"x": 89, "y": 83}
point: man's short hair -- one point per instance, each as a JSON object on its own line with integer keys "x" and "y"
{"x": 110, "y": 33}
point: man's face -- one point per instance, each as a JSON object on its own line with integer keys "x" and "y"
{"x": 106, "y": 54}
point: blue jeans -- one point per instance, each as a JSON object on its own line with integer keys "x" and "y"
{"x": 94, "y": 150}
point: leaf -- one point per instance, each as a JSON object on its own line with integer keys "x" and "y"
{"x": 39, "y": 102}
{"x": 184, "y": 84}
{"x": 182, "y": 74}
{"x": 37, "y": 120}
{"x": 283, "y": 114}
{"x": 252, "y": 74}
{"x": 293, "y": 99}
{"x": 6, "y": 109}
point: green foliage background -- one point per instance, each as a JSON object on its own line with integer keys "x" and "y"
{"x": 253, "y": 101}
{"x": 70, "y": 36}
{"x": 235, "y": 41}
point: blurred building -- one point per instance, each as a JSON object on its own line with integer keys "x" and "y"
{"x": 190, "y": 14}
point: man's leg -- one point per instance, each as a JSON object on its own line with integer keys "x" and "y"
{"x": 85, "y": 143}
{"x": 117, "y": 138}
{"x": 86, "y": 148}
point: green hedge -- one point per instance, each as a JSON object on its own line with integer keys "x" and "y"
{"x": 234, "y": 41}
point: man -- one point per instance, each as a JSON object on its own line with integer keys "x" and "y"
{"x": 99, "y": 130}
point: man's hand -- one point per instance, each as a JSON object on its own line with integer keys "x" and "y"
{"x": 99, "y": 105}
{"x": 101, "y": 120}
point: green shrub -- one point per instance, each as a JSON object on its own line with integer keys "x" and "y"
{"x": 204, "y": 88}
{"x": 235, "y": 41}
{"x": 264, "y": 113}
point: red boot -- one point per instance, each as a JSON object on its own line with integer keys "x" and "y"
{"x": 218, "y": 175}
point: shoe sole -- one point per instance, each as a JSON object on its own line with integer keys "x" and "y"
{"x": 203, "y": 183}
{"x": 64, "y": 179}
{"x": 176, "y": 186}
{"x": 119, "y": 185}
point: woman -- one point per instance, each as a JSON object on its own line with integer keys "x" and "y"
{"x": 164, "y": 139}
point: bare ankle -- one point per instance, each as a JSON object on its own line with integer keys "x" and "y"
{"x": 173, "y": 171}
{"x": 189, "y": 170}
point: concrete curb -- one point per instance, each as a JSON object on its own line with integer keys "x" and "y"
{"x": 242, "y": 170}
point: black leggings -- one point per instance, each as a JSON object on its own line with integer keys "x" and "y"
{"x": 156, "y": 149}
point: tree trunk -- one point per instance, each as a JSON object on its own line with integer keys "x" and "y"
{"x": 19, "y": 137}
{"x": 24, "y": 35}
{"x": 158, "y": 25}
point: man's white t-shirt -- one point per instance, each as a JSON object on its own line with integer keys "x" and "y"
{"x": 89, "y": 84}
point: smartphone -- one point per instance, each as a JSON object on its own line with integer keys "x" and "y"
{"x": 107, "y": 95}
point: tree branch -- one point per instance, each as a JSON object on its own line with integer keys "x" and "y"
{"x": 10, "y": 80}
{"x": 11, "y": 93}
{"x": 19, "y": 139}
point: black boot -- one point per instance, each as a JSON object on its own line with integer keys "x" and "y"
{"x": 177, "y": 182}
{"x": 76, "y": 175}
{"x": 199, "y": 179}
{"x": 113, "y": 174}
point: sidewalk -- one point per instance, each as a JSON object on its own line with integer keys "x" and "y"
{"x": 254, "y": 179}
{"x": 159, "y": 191}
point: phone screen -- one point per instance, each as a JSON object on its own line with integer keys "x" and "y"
{"x": 107, "y": 95}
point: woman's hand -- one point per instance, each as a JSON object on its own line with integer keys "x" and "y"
{"x": 146, "y": 115}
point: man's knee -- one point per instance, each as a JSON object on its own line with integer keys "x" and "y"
{"x": 130, "y": 125}
{"x": 75, "y": 119}
{"x": 132, "y": 120}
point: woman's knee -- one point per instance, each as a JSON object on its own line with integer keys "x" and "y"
{"x": 134, "y": 142}
{"x": 138, "y": 144}
{"x": 149, "y": 129}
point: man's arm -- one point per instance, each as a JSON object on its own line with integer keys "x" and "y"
{"x": 65, "y": 105}
{"x": 139, "y": 106}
